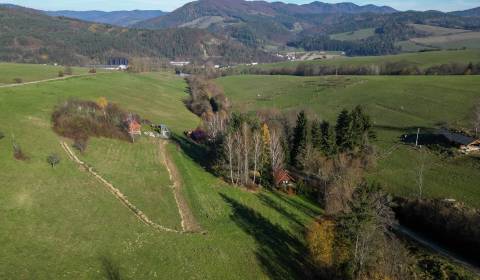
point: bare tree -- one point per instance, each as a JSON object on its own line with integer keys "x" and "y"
{"x": 228, "y": 149}
{"x": 257, "y": 147}
{"x": 246, "y": 148}
{"x": 476, "y": 118}
{"x": 276, "y": 149}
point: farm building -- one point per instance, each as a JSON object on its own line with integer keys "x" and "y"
{"x": 134, "y": 128}
{"x": 163, "y": 130}
{"x": 466, "y": 144}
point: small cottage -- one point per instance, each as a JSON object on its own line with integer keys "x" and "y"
{"x": 284, "y": 181}
{"x": 134, "y": 128}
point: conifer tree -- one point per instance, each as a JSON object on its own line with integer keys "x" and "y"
{"x": 327, "y": 143}
{"x": 299, "y": 137}
{"x": 343, "y": 131}
{"x": 316, "y": 134}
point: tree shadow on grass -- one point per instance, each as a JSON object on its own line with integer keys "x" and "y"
{"x": 196, "y": 152}
{"x": 281, "y": 255}
{"x": 111, "y": 270}
{"x": 268, "y": 201}
{"x": 298, "y": 205}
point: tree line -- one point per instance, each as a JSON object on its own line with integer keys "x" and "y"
{"x": 387, "y": 68}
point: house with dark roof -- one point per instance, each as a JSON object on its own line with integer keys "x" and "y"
{"x": 466, "y": 143}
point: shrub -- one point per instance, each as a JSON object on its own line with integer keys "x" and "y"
{"x": 53, "y": 160}
{"x": 2, "y": 135}
{"x": 79, "y": 120}
{"x": 92, "y": 71}
{"x": 60, "y": 73}
{"x": 18, "y": 80}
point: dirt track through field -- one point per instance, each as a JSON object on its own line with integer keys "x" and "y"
{"x": 188, "y": 222}
{"x": 48, "y": 80}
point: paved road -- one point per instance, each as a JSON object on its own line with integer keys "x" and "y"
{"x": 438, "y": 249}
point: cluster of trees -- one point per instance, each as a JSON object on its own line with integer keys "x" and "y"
{"x": 80, "y": 120}
{"x": 387, "y": 68}
{"x": 357, "y": 242}
{"x": 251, "y": 151}
{"x": 208, "y": 101}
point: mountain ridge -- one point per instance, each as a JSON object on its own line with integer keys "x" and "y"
{"x": 120, "y": 18}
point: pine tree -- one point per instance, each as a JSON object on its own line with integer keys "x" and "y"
{"x": 327, "y": 145}
{"x": 316, "y": 134}
{"x": 299, "y": 137}
{"x": 343, "y": 131}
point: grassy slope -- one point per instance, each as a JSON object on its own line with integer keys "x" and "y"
{"x": 62, "y": 224}
{"x": 32, "y": 72}
{"x": 396, "y": 102}
{"x": 355, "y": 35}
{"x": 423, "y": 60}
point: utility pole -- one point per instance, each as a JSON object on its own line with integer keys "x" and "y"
{"x": 416, "y": 141}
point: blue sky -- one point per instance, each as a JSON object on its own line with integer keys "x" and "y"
{"x": 169, "y": 5}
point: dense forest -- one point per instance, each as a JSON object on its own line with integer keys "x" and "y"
{"x": 29, "y": 36}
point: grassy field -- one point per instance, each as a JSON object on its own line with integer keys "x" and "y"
{"x": 61, "y": 223}
{"x": 398, "y": 105}
{"x": 354, "y": 35}
{"x": 469, "y": 40}
{"x": 436, "y": 30}
{"x": 422, "y": 60}
{"x": 32, "y": 72}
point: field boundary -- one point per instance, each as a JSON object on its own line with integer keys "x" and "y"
{"x": 118, "y": 194}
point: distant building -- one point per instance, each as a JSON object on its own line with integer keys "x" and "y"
{"x": 117, "y": 61}
{"x": 179, "y": 63}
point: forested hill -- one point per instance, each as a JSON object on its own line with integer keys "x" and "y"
{"x": 30, "y": 36}
{"x": 475, "y": 12}
{"x": 119, "y": 18}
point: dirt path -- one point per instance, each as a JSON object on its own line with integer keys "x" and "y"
{"x": 189, "y": 224}
{"x": 47, "y": 80}
{"x": 119, "y": 195}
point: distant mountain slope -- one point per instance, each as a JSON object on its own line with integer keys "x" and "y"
{"x": 475, "y": 12}
{"x": 30, "y": 36}
{"x": 119, "y": 18}
{"x": 239, "y": 9}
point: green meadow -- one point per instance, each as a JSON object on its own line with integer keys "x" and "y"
{"x": 398, "y": 105}
{"x": 62, "y": 223}
{"x": 32, "y": 72}
{"x": 421, "y": 59}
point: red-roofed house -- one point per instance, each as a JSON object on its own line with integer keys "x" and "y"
{"x": 134, "y": 128}
{"x": 283, "y": 179}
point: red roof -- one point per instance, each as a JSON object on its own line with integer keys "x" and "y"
{"x": 282, "y": 175}
{"x": 134, "y": 127}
